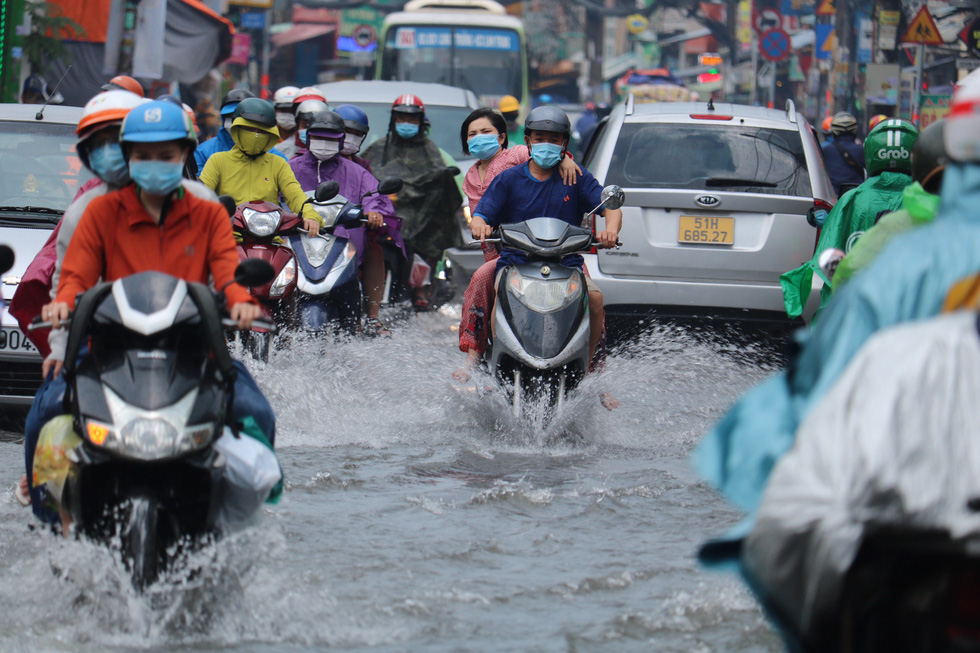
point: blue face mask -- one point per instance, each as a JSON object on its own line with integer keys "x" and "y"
{"x": 406, "y": 129}
{"x": 483, "y": 146}
{"x": 301, "y": 135}
{"x": 546, "y": 155}
{"x": 109, "y": 164}
{"x": 157, "y": 177}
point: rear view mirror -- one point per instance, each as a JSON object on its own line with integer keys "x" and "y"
{"x": 828, "y": 261}
{"x": 326, "y": 191}
{"x": 613, "y": 197}
{"x": 254, "y": 272}
{"x": 390, "y": 185}
{"x": 228, "y": 202}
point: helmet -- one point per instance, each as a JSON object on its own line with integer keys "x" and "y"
{"x": 825, "y": 125}
{"x": 547, "y": 119}
{"x": 157, "y": 122}
{"x": 354, "y": 118}
{"x": 929, "y": 154}
{"x": 173, "y": 99}
{"x": 190, "y": 114}
{"x": 875, "y": 120}
{"x": 307, "y": 93}
{"x": 256, "y": 110}
{"x": 232, "y": 98}
{"x": 408, "y": 103}
{"x": 962, "y": 136}
{"x": 107, "y": 109}
{"x": 307, "y": 108}
{"x": 125, "y": 83}
{"x": 326, "y": 123}
{"x": 843, "y": 123}
{"x": 283, "y": 98}
{"x": 889, "y": 147}
{"x": 509, "y": 103}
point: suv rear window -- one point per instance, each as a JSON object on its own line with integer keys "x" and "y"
{"x": 710, "y": 157}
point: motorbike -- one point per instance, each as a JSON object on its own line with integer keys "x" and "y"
{"x": 327, "y": 275}
{"x": 147, "y": 402}
{"x": 540, "y": 347}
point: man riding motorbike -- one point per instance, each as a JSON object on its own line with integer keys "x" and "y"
{"x": 307, "y": 102}
{"x": 223, "y": 141}
{"x": 285, "y": 118}
{"x": 843, "y": 156}
{"x": 356, "y": 128}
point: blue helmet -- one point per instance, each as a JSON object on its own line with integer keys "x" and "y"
{"x": 157, "y": 122}
{"x": 353, "y": 117}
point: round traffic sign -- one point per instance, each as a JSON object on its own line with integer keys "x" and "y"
{"x": 774, "y": 44}
{"x": 767, "y": 19}
{"x": 364, "y": 35}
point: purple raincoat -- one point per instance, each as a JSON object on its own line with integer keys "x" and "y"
{"x": 354, "y": 182}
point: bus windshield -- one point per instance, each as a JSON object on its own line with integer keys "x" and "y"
{"x": 487, "y": 61}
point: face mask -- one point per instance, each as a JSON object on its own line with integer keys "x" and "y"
{"x": 406, "y": 129}
{"x": 546, "y": 155}
{"x": 483, "y": 146}
{"x": 286, "y": 120}
{"x": 301, "y": 138}
{"x": 324, "y": 149}
{"x": 253, "y": 143}
{"x": 352, "y": 144}
{"x": 109, "y": 164}
{"x": 227, "y": 122}
{"x": 510, "y": 116}
{"x": 157, "y": 177}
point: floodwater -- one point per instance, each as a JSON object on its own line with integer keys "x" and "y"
{"x": 419, "y": 516}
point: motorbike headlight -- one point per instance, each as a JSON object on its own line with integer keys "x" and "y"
{"x": 316, "y": 250}
{"x": 544, "y": 296}
{"x": 286, "y": 277}
{"x": 262, "y": 224}
{"x": 150, "y": 435}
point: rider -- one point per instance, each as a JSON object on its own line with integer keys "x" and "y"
{"x": 875, "y": 120}
{"x": 356, "y": 128}
{"x": 535, "y": 189}
{"x": 285, "y": 118}
{"x": 843, "y": 156}
{"x": 510, "y": 109}
{"x": 920, "y": 201}
{"x": 430, "y": 197}
{"x": 250, "y": 171}
{"x": 124, "y": 83}
{"x": 888, "y": 156}
{"x": 307, "y": 102}
{"x": 321, "y": 162}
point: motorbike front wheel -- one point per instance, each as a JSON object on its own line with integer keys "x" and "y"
{"x": 140, "y": 538}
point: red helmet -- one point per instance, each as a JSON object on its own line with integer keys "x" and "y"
{"x": 308, "y": 93}
{"x": 125, "y": 83}
{"x": 408, "y": 103}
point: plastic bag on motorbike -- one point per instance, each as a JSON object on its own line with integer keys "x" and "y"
{"x": 51, "y": 463}
{"x": 420, "y": 275}
{"x": 252, "y": 474}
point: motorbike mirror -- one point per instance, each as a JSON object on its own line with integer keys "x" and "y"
{"x": 6, "y": 258}
{"x": 390, "y": 185}
{"x": 828, "y": 261}
{"x": 452, "y": 171}
{"x": 613, "y": 197}
{"x": 228, "y": 202}
{"x": 326, "y": 191}
{"x": 254, "y": 272}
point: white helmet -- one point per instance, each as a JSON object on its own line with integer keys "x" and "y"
{"x": 962, "y": 133}
{"x": 283, "y": 98}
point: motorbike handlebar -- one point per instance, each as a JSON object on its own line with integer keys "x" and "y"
{"x": 261, "y": 324}
{"x": 495, "y": 238}
{"x": 38, "y": 323}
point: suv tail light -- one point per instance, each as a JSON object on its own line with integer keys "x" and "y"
{"x": 709, "y": 116}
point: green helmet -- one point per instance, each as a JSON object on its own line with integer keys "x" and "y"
{"x": 889, "y": 147}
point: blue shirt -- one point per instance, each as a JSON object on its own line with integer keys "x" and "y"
{"x": 838, "y": 170}
{"x": 515, "y": 196}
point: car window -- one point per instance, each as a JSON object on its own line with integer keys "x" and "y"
{"x": 710, "y": 157}
{"x": 445, "y": 121}
{"x": 38, "y": 165}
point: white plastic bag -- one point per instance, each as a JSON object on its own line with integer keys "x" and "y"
{"x": 251, "y": 471}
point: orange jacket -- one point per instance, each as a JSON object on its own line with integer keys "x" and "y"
{"x": 116, "y": 237}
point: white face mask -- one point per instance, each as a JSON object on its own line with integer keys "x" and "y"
{"x": 227, "y": 122}
{"x": 324, "y": 149}
{"x": 352, "y": 144}
{"x": 286, "y": 120}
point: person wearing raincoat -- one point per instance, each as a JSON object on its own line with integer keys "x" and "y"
{"x": 920, "y": 201}
{"x": 250, "y": 172}
{"x": 888, "y": 156}
{"x": 223, "y": 141}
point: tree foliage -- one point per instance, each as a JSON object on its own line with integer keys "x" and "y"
{"x": 49, "y": 28}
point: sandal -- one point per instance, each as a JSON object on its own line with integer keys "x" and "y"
{"x": 373, "y": 327}
{"x": 421, "y": 304}
{"x": 20, "y": 491}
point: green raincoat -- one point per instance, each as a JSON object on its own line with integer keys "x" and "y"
{"x": 855, "y": 213}
{"x": 918, "y": 208}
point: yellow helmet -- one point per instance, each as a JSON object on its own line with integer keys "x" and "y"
{"x": 509, "y": 103}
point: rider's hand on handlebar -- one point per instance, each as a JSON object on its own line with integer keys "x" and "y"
{"x": 607, "y": 238}
{"x": 54, "y": 313}
{"x": 480, "y": 231}
{"x": 245, "y": 313}
{"x": 312, "y": 226}
{"x": 375, "y": 220}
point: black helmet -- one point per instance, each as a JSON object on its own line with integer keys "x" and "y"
{"x": 843, "y": 123}
{"x": 929, "y": 156}
{"x": 256, "y": 110}
{"x": 327, "y": 121}
{"x": 548, "y": 119}
{"x": 236, "y": 95}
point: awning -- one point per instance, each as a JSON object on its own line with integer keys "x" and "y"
{"x": 300, "y": 32}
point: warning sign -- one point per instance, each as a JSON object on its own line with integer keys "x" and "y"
{"x": 923, "y": 29}
{"x": 826, "y": 8}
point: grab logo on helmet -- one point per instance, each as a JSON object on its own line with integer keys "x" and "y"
{"x": 893, "y": 140}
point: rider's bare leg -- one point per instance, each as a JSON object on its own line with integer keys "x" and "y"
{"x": 597, "y": 319}
{"x": 373, "y": 269}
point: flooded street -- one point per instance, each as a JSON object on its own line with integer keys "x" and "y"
{"x": 419, "y": 516}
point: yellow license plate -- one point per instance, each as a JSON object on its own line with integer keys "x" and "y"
{"x": 706, "y": 231}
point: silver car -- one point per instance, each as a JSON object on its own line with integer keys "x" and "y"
{"x": 39, "y": 177}
{"x": 716, "y": 203}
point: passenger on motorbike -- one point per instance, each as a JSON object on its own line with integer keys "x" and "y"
{"x": 534, "y": 189}
{"x": 307, "y": 102}
{"x": 356, "y": 128}
{"x": 429, "y": 198}
{"x": 483, "y": 134}
{"x": 250, "y": 172}
{"x": 223, "y": 141}
{"x": 326, "y": 136}
{"x": 510, "y": 109}
{"x": 888, "y": 155}
{"x": 843, "y": 156}
{"x": 285, "y": 118}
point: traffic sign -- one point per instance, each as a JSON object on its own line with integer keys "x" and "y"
{"x": 826, "y": 8}
{"x": 826, "y": 42}
{"x": 637, "y": 24}
{"x": 774, "y": 44}
{"x": 766, "y": 19}
{"x": 971, "y": 36}
{"x": 923, "y": 29}
{"x": 364, "y": 35}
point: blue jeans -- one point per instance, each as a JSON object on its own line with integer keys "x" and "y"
{"x": 49, "y": 403}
